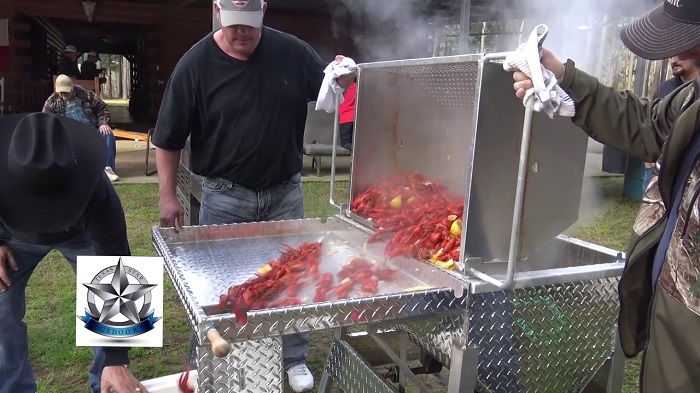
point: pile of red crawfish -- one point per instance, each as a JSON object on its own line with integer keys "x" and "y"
{"x": 279, "y": 281}
{"x": 419, "y": 217}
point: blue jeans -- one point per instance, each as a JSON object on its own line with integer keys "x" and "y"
{"x": 227, "y": 203}
{"x": 111, "y": 142}
{"x": 16, "y": 374}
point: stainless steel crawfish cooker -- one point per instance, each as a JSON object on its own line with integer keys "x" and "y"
{"x": 528, "y": 310}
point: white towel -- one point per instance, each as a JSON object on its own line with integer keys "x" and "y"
{"x": 549, "y": 96}
{"x": 330, "y": 88}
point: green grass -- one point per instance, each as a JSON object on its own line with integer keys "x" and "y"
{"x": 62, "y": 367}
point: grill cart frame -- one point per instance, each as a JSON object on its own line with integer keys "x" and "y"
{"x": 528, "y": 310}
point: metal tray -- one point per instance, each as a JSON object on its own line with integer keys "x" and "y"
{"x": 204, "y": 261}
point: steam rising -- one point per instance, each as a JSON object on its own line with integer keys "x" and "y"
{"x": 390, "y": 29}
{"x": 400, "y": 29}
{"x": 586, "y": 31}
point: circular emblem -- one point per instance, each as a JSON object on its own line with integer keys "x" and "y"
{"x": 117, "y": 306}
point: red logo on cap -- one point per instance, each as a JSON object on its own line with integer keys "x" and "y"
{"x": 240, "y": 3}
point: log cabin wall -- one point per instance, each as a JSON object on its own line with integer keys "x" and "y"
{"x": 14, "y": 75}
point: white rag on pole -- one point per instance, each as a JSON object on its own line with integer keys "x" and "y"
{"x": 330, "y": 90}
{"x": 549, "y": 96}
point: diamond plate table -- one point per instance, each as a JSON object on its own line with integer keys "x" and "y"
{"x": 529, "y": 309}
{"x": 204, "y": 261}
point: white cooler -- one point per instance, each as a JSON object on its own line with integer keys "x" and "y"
{"x": 168, "y": 383}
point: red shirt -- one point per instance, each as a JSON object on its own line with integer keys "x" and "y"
{"x": 347, "y": 108}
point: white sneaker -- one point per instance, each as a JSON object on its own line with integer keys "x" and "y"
{"x": 300, "y": 378}
{"x": 110, "y": 174}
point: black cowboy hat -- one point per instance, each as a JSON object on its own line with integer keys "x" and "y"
{"x": 666, "y": 31}
{"x": 49, "y": 168}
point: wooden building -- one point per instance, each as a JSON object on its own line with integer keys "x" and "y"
{"x": 154, "y": 34}
{"x": 151, "y": 34}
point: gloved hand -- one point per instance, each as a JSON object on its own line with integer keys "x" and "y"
{"x": 550, "y": 62}
{"x": 548, "y": 96}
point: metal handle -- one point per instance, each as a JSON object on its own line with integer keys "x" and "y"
{"x": 518, "y": 208}
{"x": 336, "y": 131}
{"x": 219, "y": 346}
{"x": 496, "y": 56}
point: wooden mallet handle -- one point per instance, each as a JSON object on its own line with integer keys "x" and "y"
{"x": 219, "y": 346}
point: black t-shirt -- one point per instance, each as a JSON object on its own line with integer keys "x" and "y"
{"x": 89, "y": 70}
{"x": 668, "y": 87}
{"x": 246, "y": 118}
{"x": 68, "y": 67}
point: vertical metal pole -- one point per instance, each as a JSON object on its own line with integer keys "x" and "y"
{"x": 464, "y": 27}
{"x": 336, "y": 132}
{"x": 617, "y": 369}
{"x": 601, "y": 44}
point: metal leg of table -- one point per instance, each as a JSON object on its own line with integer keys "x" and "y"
{"x": 324, "y": 385}
{"x": 350, "y": 372}
{"x": 463, "y": 369}
{"x": 251, "y": 366}
{"x": 617, "y": 369}
{"x": 404, "y": 370}
{"x": 402, "y": 355}
{"x": 610, "y": 375}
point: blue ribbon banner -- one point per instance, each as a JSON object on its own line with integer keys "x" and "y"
{"x": 142, "y": 327}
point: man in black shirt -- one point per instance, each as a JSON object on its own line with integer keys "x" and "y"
{"x": 241, "y": 94}
{"x": 88, "y": 70}
{"x": 683, "y": 71}
{"x": 54, "y": 195}
{"x": 68, "y": 64}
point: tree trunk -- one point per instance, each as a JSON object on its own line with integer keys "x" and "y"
{"x": 109, "y": 76}
{"x": 484, "y": 30}
{"x": 121, "y": 76}
{"x": 126, "y": 77}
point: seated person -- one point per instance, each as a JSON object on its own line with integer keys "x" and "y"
{"x": 347, "y": 116}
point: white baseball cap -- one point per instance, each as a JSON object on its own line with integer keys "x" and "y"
{"x": 63, "y": 84}
{"x": 241, "y": 12}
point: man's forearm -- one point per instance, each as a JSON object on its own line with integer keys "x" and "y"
{"x": 620, "y": 119}
{"x": 167, "y": 162}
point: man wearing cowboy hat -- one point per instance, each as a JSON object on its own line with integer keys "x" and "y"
{"x": 660, "y": 287}
{"x": 54, "y": 195}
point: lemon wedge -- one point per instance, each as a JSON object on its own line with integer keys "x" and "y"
{"x": 265, "y": 269}
{"x": 456, "y": 228}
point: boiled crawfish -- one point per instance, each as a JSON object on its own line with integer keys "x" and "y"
{"x": 283, "y": 275}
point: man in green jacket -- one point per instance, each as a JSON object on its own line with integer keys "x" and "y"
{"x": 659, "y": 289}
